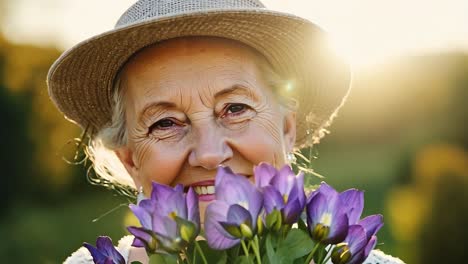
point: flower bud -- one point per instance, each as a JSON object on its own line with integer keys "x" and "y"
{"x": 246, "y": 231}
{"x": 187, "y": 232}
{"x": 233, "y": 230}
{"x": 341, "y": 254}
{"x": 320, "y": 232}
{"x": 274, "y": 220}
{"x": 259, "y": 225}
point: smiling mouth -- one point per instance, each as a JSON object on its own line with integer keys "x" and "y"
{"x": 205, "y": 189}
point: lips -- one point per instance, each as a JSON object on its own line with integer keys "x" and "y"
{"x": 204, "y": 189}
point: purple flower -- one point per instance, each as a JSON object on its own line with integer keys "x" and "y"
{"x": 170, "y": 219}
{"x": 104, "y": 252}
{"x": 233, "y": 215}
{"x": 282, "y": 191}
{"x": 327, "y": 217}
{"x": 359, "y": 242}
{"x": 353, "y": 200}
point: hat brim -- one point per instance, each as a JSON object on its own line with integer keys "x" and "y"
{"x": 81, "y": 81}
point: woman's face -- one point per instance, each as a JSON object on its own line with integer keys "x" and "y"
{"x": 194, "y": 104}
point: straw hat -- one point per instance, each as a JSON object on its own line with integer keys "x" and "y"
{"x": 81, "y": 81}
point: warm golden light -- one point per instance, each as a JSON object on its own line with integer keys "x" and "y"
{"x": 364, "y": 32}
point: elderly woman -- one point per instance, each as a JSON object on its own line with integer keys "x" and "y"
{"x": 181, "y": 87}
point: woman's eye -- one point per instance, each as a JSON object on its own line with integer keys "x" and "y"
{"x": 235, "y": 108}
{"x": 163, "y": 124}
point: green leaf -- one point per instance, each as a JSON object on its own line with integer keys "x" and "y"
{"x": 232, "y": 253}
{"x": 162, "y": 259}
{"x": 296, "y": 245}
{"x": 244, "y": 260}
{"x": 270, "y": 251}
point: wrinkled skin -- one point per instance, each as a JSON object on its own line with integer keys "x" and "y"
{"x": 193, "y": 104}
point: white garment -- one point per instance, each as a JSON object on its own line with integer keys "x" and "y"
{"x": 82, "y": 255}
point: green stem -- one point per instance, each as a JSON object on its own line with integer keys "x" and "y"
{"x": 328, "y": 256}
{"x": 309, "y": 258}
{"x": 246, "y": 250}
{"x": 194, "y": 256}
{"x": 255, "y": 247}
{"x": 244, "y": 247}
{"x": 200, "y": 251}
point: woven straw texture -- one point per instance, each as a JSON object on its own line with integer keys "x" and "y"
{"x": 80, "y": 82}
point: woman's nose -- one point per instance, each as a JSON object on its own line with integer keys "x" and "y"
{"x": 210, "y": 148}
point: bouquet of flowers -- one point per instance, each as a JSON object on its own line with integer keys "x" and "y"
{"x": 269, "y": 221}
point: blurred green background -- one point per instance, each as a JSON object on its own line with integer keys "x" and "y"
{"x": 401, "y": 137}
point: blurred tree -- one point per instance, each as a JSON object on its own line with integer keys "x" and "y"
{"x": 443, "y": 238}
{"x": 36, "y": 133}
{"x": 16, "y": 153}
{"x": 429, "y": 212}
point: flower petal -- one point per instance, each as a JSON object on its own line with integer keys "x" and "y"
{"x": 238, "y": 215}
{"x": 316, "y": 208}
{"x": 311, "y": 195}
{"x": 95, "y": 253}
{"x": 105, "y": 251}
{"x": 284, "y": 180}
{"x": 354, "y": 200}
{"x": 356, "y": 239}
{"x": 371, "y": 224}
{"x": 255, "y": 204}
{"x": 143, "y": 215}
{"x": 160, "y": 192}
{"x": 137, "y": 242}
{"x": 231, "y": 188}
{"x": 272, "y": 199}
{"x": 264, "y": 172}
{"x": 142, "y": 236}
{"x": 292, "y": 211}
{"x": 339, "y": 221}
{"x": 327, "y": 190}
{"x": 216, "y": 236}
{"x": 104, "y": 244}
{"x": 193, "y": 210}
{"x": 175, "y": 204}
{"x": 179, "y": 188}
{"x": 236, "y": 189}
{"x": 370, "y": 246}
{"x": 362, "y": 255}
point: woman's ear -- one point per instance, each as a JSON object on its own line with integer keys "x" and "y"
{"x": 125, "y": 155}
{"x": 289, "y": 130}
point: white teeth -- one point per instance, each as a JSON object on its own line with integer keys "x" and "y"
{"x": 201, "y": 190}
{"x": 210, "y": 189}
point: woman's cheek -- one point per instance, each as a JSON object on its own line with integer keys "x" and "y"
{"x": 158, "y": 163}
{"x": 261, "y": 141}
{"x": 267, "y": 126}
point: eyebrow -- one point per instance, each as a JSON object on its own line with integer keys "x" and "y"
{"x": 236, "y": 88}
{"x": 154, "y": 105}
